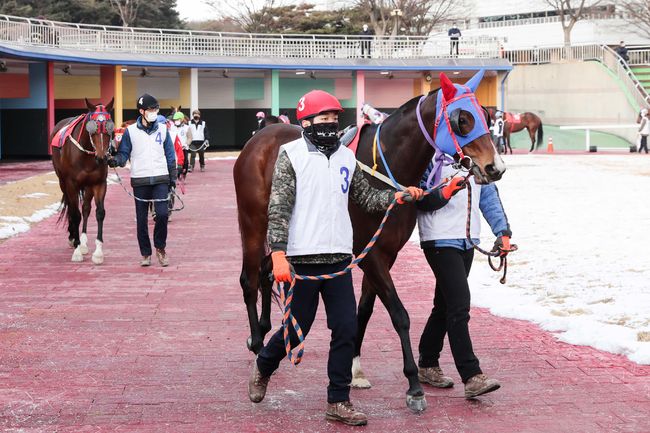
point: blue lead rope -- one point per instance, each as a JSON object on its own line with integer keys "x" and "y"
{"x": 383, "y": 160}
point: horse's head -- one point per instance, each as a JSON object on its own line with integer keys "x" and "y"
{"x": 461, "y": 129}
{"x": 100, "y": 127}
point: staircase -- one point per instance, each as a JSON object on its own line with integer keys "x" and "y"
{"x": 642, "y": 73}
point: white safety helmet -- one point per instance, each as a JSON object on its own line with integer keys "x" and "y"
{"x": 499, "y": 115}
{"x": 644, "y": 111}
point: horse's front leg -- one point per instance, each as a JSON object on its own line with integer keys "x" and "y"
{"x": 99, "y": 193}
{"x": 74, "y": 219}
{"x": 364, "y": 312}
{"x": 377, "y": 271}
{"x": 85, "y": 212}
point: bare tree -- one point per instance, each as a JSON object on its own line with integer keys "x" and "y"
{"x": 411, "y": 17}
{"x": 126, "y": 9}
{"x": 569, "y": 16}
{"x": 637, "y": 13}
{"x": 251, "y": 15}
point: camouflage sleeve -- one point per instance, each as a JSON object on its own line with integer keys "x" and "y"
{"x": 368, "y": 198}
{"x": 281, "y": 202}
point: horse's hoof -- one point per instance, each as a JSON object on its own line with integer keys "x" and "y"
{"x": 84, "y": 249}
{"x": 77, "y": 256}
{"x": 360, "y": 383}
{"x": 417, "y": 403}
{"x": 71, "y": 243}
{"x": 249, "y": 343}
{"x": 98, "y": 259}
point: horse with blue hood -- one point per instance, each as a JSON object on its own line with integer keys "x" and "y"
{"x": 449, "y": 123}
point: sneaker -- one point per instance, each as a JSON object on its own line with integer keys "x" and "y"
{"x": 344, "y": 412}
{"x": 434, "y": 377}
{"x": 191, "y": 169}
{"x": 146, "y": 261}
{"x": 480, "y": 384}
{"x": 202, "y": 169}
{"x": 162, "y": 257}
{"x": 257, "y": 384}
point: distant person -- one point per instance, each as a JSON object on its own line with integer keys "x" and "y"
{"x": 284, "y": 118}
{"x": 454, "y": 35}
{"x": 644, "y": 130}
{"x": 366, "y": 37}
{"x": 260, "y": 116}
{"x": 200, "y": 140}
{"x": 497, "y": 131}
{"x": 621, "y": 50}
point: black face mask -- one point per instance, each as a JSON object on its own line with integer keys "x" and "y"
{"x": 323, "y": 135}
{"x": 196, "y": 118}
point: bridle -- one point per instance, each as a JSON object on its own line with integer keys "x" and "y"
{"x": 98, "y": 120}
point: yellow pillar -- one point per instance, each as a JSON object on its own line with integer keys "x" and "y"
{"x": 185, "y": 96}
{"x": 118, "y": 105}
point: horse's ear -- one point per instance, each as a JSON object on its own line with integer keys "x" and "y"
{"x": 448, "y": 88}
{"x": 90, "y": 106}
{"x": 109, "y": 106}
{"x": 475, "y": 80}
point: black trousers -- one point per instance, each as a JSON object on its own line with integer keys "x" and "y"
{"x": 453, "y": 47}
{"x": 186, "y": 162}
{"x": 365, "y": 49}
{"x": 340, "y": 307}
{"x": 644, "y": 144}
{"x": 450, "y": 314}
{"x": 149, "y": 192}
{"x": 196, "y": 145}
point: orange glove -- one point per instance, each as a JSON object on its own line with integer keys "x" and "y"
{"x": 411, "y": 193}
{"x": 502, "y": 244}
{"x": 455, "y": 185}
{"x": 281, "y": 267}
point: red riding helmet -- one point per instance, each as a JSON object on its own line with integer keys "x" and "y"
{"x": 316, "y": 102}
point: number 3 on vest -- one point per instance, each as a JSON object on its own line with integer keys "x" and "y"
{"x": 346, "y": 175}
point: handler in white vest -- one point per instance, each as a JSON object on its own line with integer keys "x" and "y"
{"x": 200, "y": 139}
{"x": 153, "y": 172}
{"x": 497, "y": 132}
{"x": 443, "y": 237}
{"x": 309, "y": 226}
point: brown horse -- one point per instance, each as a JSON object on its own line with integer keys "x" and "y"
{"x": 80, "y": 165}
{"x": 407, "y": 153}
{"x": 527, "y": 120}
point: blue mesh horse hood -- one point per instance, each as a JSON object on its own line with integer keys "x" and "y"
{"x": 452, "y": 99}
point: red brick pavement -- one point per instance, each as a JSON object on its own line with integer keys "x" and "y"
{"x": 116, "y": 347}
{"x": 12, "y": 171}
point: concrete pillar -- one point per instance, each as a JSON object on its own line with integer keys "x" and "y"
{"x": 50, "y": 103}
{"x": 275, "y": 92}
{"x": 194, "y": 90}
{"x": 360, "y": 86}
{"x": 118, "y": 104}
{"x": 106, "y": 84}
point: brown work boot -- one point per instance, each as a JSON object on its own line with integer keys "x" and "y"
{"x": 257, "y": 384}
{"x": 162, "y": 257}
{"x": 434, "y": 377}
{"x": 480, "y": 384}
{"x": 345, "y": 412}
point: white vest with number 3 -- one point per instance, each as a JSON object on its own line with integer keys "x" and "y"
{"x": 148, "y": 151}
{"x": 320, "y": 222}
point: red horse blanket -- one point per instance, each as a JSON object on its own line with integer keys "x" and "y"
{"x": 62, "y": 134}
{"x": 513, "y": 118}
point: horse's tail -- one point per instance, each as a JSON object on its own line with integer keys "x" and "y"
{"x": 540, "y": 135}
{"x": 63, "y": 210}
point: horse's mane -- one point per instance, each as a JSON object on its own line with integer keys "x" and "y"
{"x": 406, "y": 107}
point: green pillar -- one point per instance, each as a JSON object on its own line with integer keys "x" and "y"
{"x": 275, "y": 92}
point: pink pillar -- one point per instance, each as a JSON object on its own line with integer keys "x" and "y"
{"x": 50, "y": 103}
{"x": 106, "y": 83}
{"x": 361, "y": 94}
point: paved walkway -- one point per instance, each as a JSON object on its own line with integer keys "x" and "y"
{"x": 87, "y": 348}
{"x": 12, "y": 171}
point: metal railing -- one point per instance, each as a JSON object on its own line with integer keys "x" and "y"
{"x": 601, "y": 53}
{"x": 638, "y": 57}
{"x": 539, "y": 20}
{"x": 87, "y": 37}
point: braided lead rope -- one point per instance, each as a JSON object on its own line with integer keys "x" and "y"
{"x": 503, "y": 259}
{"x": 285, "y": 300}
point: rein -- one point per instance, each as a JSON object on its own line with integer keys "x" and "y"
{"x": 503, "y": 259}
{"x": 150, "y": 200}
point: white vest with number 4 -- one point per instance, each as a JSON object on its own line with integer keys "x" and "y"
{"x": 148, "y": 151}
{"x": 450, "y": 221}
{"x": 320, "y": 222}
